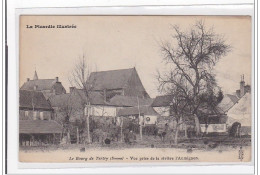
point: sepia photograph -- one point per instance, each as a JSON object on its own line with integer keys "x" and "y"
{"x": 135, "y": 89}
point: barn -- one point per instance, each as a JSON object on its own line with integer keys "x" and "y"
{"x": 36, "y": 124}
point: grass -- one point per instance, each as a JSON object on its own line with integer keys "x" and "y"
{"x": 201, "y": 143}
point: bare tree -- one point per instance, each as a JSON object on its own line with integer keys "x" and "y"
{"x": 191, "y": 63}
{"x": 179, "y": 104}
{"x": 64, "y": 114}
{"x": 79, "y": 79}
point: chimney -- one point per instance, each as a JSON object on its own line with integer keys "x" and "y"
{"x": 105, "y": 95}
{"x": 28, "y": 79}
{"x": 35, "y": 87}
{"x": 72, "y": 89}
{"x": 57, "y": 79}
{"x": 242, "y": 86}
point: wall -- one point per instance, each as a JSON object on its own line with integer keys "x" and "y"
{"x": 163, "y": 111}
{"x": 153, "y": 119}
{"x": 35, "y": 115}
{"x": 105, "y": 111}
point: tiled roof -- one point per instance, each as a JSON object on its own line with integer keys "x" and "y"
{"x": 233, "y": 98}
{"x": 205, "y": 110}
{"x": 33, "y": 99}
{"x": 144, "y": 110}
{"x": 77, "y": 99}
{"x": 113, "y": 79}
{"x": 42, "y": 84}
{"x": 162, "y": 101}
{"x": 39, "y": 127}
{"x": 127, "y": 101}
{"x": 228, "y": 102}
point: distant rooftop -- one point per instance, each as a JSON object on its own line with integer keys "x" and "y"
{"x": 112, "y": 79}
{"x": 33, "y": 99}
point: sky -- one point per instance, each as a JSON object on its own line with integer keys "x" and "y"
{"x": 120, "y": 42}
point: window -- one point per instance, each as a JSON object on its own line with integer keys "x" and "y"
{"x": 35, "y": 115}
{"x": 41, "y": 115}
{"x": 26, "y": 113}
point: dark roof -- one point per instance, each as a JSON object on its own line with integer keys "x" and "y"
{"x": 33, "y": 99}
{"x": 144, "y": 110}
{"x": 127, "y": 101}
{"x": 76, "y": 99}
{"x": 228, "y": 102}
{"x": 39, "y": 127}
{"x": 162, "y": 101}
{"x": 113, "y": 79}
{"x": 42, "y": 84}
{"x": 59, "y": 100}
{"x": 207, "y": 111}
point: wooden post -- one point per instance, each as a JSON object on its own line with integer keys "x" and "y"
{"x": 141, "y": 127}
{"x": 121, "y": 127}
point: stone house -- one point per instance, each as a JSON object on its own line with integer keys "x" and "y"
{"x": 48, "y": 87}
{"x": 237, "y": 107}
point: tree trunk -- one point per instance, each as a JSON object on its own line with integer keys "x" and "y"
{"x": 77, "y": 135}
{"x": 68, "y": 136}
{"x": 141, "y": 132}
{"x": 197, "y": 125}
{"x": 176, "y": 135}
{"x": 185, "y": 130}
{"x": 88, "y": 111}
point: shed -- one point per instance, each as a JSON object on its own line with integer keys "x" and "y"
{"x": 39, "y": 132}
{"x": 39, "y": 127}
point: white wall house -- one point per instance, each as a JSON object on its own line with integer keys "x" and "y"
{"x": 104, "y": 111}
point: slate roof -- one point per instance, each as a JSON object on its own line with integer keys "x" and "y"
{"x": 112, "y": 79}
{"x": 162, "y": 101}
{"x": 145, "y": 110}
{"x": 39, "y": 127}
{"x": 42, "y": 84}
{"x": 33, "y": 99}
{"x": 127, "y": 101}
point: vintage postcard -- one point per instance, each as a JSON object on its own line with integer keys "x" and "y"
{"x": 135, "y": 89}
